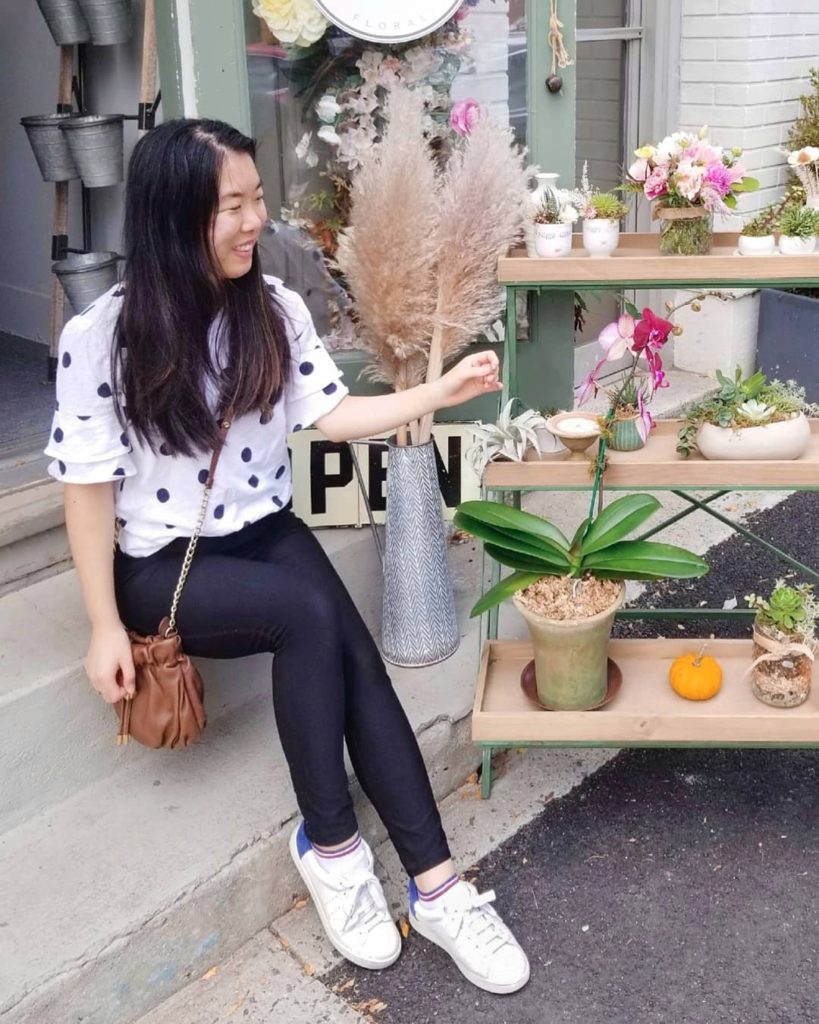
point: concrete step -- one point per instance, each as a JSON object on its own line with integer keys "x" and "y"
{"x": 163, "y": 861}
{"x": 33, "y": 544}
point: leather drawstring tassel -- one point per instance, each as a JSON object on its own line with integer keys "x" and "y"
{"x": 124, "y": 721}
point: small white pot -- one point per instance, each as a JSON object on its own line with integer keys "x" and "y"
{"x": 790, "y": 245}
{"x": 787, "y": 439}
{"x": 761, "y": 245}
{"x": 601, "y": 236}
{"x": 553, "y": 240}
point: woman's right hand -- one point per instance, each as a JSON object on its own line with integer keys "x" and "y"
{"x": 109, "y": 664}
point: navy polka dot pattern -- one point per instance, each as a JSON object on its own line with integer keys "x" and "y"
{"x": 62, "y": 467}
{"x": 203, "y": 476}
{"x": 121, "y": 521}
{"x": 169, "y": 526}
{"x": 119, "y": 471}
{"x": 124, "y": 441}
{"x": 66, "y": 359}
{"x": 277, "y": 501}
{"x": 83, "y": 418}
{"x": 280, "y": 472}
{"x": 104, "y": 391}
{"x": 306, "y": 368}
{"x": 162, "y": 495}
{"x": 58, "y": 435}
{"x": 219, "y": 511}
{"x": 247, "y": 455}
{"x": 164, "y": 449}
{"x": 297, "y": 427}
{"x": 118, "y": 293}
{"x": 253, "y": 481}
{"x": 330, "y": 389}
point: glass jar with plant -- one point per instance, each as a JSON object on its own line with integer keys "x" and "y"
{"x": 751, "y": 418}
{"x": 602, "y": 214}
{"x": 798, "y": 227}
{"x": 784, "y": 644}
{"x": 757, "y": 237}
{"x": 553, "y": 226}
{"x": 642, "y": 337}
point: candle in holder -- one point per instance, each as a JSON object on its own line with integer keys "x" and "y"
{"x": 579, "y": 426}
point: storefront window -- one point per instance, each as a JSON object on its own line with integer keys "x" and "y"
{"x": 316, "y": 110}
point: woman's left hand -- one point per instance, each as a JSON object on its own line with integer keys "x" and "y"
{"x": 474, "y": 375}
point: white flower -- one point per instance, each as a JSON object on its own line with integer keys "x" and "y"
{"x": 295, "y": 22}
{"x": 806, "y": 155}
{"x": 328, "y": 134}
{"x": 369, "y": 64}
{"x": 567, "y": 215}
{"x": 327, "y": 108}
{"x": 353, "y": 144}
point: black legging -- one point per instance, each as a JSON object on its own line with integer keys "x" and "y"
{"x": 270, "y": 587}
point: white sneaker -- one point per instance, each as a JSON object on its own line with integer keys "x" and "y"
{"x": 351, "y": 906}
{"x": 462, "y": 923}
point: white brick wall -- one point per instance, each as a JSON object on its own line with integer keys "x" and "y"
{"x": 744, "y": 64}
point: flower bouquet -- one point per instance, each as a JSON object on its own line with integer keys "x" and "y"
{"x": 642, "y": 337}
{"x": 689, "y": 179}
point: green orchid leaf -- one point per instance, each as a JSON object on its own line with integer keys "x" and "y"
{"x": 545, "y": 564}
{"x": 503, "y": 590}
{"x": 509, "y": 540}
{"x": 645, "y": 559}
{"x": 579, "y": 534}
{"x": 632, "y": 310}
{"x": 617, "y": 520}
{"x": 499, "y": 516}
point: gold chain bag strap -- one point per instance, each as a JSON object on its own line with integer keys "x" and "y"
{"x": 167, "y": 708}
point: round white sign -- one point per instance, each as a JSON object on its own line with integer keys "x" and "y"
{"x": 388, "y": 21}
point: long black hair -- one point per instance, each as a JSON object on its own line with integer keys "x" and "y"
{"x": 174, "y": 289}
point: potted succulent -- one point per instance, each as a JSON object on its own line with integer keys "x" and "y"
{"x": 798, "y": 227}
{"x": 553, "y": 226}
{"x": 508, "y": 439}
{"x": 748, "y": 419}
{"x": 568, "y": 591}
{"x": 641, "y": 336}
{"x": 757, "y": 237}
{"x": 784, "y": 644}
{"x": 601, "y": 223}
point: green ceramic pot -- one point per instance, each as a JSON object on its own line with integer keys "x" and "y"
{"x": 571, "y": 657}
{"x": 625, "y": 437}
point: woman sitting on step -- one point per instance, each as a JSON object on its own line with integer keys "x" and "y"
{"x": 143, "y": 374}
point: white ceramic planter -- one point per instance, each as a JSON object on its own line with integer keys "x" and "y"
{"x": 601, "y": 236}
{"x": 787, "y": 439}
{"x": 790, "y": 245}
{"x": 761, "y": 245}
{"x": 553, "y": 240}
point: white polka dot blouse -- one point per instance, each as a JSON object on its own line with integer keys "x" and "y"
{"x": 157, "y": 496}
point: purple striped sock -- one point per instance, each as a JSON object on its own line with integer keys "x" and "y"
{"x": 342, "y": 851}
{"x": 438, "y": 891}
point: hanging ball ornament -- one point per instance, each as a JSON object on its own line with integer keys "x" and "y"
{"x": 554, "y": 83}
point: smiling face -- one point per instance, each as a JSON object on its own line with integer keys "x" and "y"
{"x": 240, "y": 216}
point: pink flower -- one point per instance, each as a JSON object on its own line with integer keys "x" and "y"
{"x": 651, "y": 331}
{"x": 719, "y": 178}
{"x": 639, "y": 170}
{"x": 464, "y": 115}
{"x": 645, "y": 421}
{"x": 589, "y": 386}
{"x": 656, "y": 184}
{"x": 655, "y": 365}
{"x": 617, "y": 337}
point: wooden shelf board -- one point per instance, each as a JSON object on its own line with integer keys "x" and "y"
{"x": 638, "y": 260}
{"x": 658, "y": 465}
{"x": 646, "y": 710}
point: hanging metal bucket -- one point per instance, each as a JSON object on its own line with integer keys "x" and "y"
{"x": 419, "y": 624}
{"x": 95, "y": 143}
{"x": 85, "y": 276}
{"x": 109, "y": 20}
{"x": 50, "y": 146}
{"x": 65, "y": 20}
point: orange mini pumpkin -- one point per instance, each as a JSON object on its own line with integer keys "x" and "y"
{"x": 695, "y": 676}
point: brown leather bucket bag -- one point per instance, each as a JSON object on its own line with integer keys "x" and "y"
{"x": 167, "y": 708}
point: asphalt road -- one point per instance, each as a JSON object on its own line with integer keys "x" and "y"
{"x": 671, "y": 887}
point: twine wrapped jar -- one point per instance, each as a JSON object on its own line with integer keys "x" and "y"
{"x": 782, "y": 668}
{"x": 684, "y": 230}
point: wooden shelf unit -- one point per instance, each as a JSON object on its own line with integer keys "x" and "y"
{"x": 646, "y": 712}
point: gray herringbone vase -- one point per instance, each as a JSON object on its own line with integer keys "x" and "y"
{"x": 419, "y": 624}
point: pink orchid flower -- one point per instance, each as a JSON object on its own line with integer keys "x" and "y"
{"x": 655, "y": 365}
{"x": 645, "y": 421}
{"x": 589, "y": 386}
{"x": 651, "y": 332}
{"x": 617, "y": 338}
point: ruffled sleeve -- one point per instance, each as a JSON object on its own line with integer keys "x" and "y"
{"x": 315, "y": 387}
{"x": 88, "y": 443}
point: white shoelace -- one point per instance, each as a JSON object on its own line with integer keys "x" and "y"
{"x": 368, "y": 907}
{"x": 485, "y": 929}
